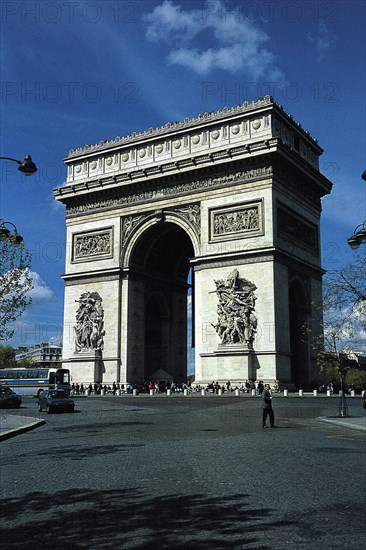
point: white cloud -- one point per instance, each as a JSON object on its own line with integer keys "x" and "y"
{"x": 168, "y": 19}
{"x": 212, "y": 40}
{"x": 40, "y": 293}
{"x": 37, "y": 323}
{"x": 56, "y": 205}
{"x": 322, "y": 40}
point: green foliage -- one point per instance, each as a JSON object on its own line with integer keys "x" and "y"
{"x": 356, "y": 378}
{"x": 24, "y": 363}
{"x": 7, "y": 357}
{"x": 15, "y": 283}
{"x": 333, "y": 365}
{"x": 332, "y": 375}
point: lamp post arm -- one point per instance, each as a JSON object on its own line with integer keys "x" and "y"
{"x": 14, "y": 160}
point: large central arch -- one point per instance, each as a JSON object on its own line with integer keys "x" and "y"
{"x": 158, "y": 266}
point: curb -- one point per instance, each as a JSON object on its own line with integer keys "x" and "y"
{"x": 347, "y": 422}
{"x": 21, "y": 429}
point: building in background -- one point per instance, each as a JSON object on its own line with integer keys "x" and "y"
{"x": 41, "y": 355}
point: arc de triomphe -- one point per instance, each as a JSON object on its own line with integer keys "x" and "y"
{"x": 222, "y": 210}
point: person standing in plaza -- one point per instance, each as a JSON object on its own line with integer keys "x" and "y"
{"x": 267, "y": 409}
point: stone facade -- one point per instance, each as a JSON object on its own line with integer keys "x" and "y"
{"x": 232, "y": 197}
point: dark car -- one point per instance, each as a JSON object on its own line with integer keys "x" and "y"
{"x": 8, "y": 398}
{"x": 55, "y": 401}
{"x": 364, "y": 399}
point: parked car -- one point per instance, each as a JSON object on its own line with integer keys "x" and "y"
{"x": 8, "y": 398}
{"x": 55, "y": 401}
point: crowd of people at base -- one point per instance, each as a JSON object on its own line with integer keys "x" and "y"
{"x": 163, "y": 386}
{"x": 323, "y": 388}
{"x": 96, "y": 389}
{"x": 336, "y": 388}
{"x": 213, "y": 387}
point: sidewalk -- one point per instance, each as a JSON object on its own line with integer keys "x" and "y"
{"x": 12, "y": 425}
{"x": 354, "y": 423}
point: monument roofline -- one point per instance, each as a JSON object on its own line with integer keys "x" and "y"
{"x": 203, "y": 119}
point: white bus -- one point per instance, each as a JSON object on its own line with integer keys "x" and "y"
{"x": 33, "y": 381}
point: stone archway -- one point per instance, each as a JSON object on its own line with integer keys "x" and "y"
{"x": 299, "y": 338}
{"x": 158, "y": 271}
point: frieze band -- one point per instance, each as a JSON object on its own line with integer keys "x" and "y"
{"x": 177, "y": 189}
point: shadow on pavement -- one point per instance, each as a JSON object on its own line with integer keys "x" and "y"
{"x": 82, "y": 518}
{"x": 80, "y": 453}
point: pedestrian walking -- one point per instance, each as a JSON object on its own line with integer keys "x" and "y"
{"x": 267, "y": 407}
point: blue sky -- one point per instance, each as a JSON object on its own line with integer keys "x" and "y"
{"x": 79, "y": 72}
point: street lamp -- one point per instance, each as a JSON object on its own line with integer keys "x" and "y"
{"x": 359, "y": 234}
{"x": 12, "y": 235}
{"x": 358, "y": 237}
{"x": 26, "y": 166}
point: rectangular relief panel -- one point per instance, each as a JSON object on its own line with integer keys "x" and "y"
{"x": 92, "y": 245}
{"x": 293, "y": 227}
{"x": 236, "y": 222}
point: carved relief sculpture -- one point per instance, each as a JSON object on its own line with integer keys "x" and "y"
{"x": 292, "y": 226}
{"x": 239, "y": 221}
{"x": 95, "y": 245}
{"x": 236, "y": 320}
{"x": 89, "y": 323}
{"x": 192, "y": 213}
{"x": 128, "y": 225}
{"x": 233, "y": 222}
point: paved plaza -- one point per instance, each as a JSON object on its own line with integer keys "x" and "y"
{"x": 185, "y": 472}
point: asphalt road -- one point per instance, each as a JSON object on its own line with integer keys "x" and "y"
{"x": 192, "y": 473}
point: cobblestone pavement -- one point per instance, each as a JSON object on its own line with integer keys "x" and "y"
{"x": 185, "y": 473}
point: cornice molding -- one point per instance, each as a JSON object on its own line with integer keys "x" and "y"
{"x": 188, "y": 123}
{"x": 91, "y": 277}
{"x": 178, "y": 168}
{"x": 229, "y": 134}
{"x": 269, "y": 254}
